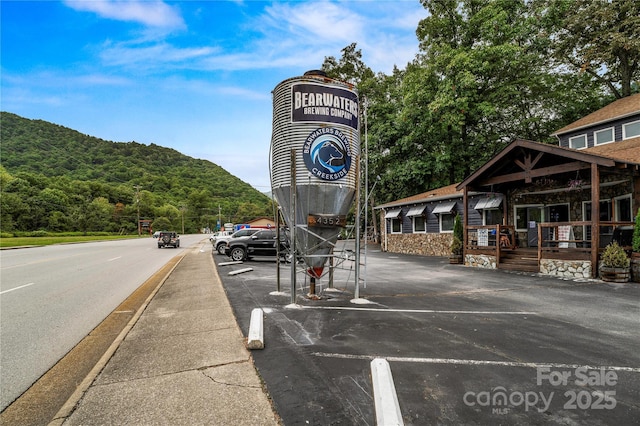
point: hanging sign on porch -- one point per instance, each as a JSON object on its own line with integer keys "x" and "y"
{"x": 565, "y": 235}
{"x": 483, "y": 237}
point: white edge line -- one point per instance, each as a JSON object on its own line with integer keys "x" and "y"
{"x": 16, "y": 288}
{"x": 114, "y": 258}
{"x": 477, "y": 362}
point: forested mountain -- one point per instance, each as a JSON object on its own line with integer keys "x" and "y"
{"x": 56, "y": 179}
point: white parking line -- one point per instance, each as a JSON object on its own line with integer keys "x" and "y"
{"x": 114, "y": 258}
{"x": 477, "y": 362}
{"x": 420, "y": 311}
{"x": 16, "y": 288}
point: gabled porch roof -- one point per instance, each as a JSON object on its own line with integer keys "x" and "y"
{"x": 524, "y": 160}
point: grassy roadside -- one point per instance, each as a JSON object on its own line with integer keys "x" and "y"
{"x": 49, "y": 240}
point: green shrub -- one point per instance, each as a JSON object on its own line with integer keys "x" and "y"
{"x": 614, "y": 257}
{"x": 36, "y": 234}
{"x": 636, "y": 234}
{"x": 456, "y": 246}
{"x": 458, "y": 229}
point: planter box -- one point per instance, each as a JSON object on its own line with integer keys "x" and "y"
{"x": 615, "y": 275}
{"x": 635, "y": 268}
{"x": 455, "y": 259}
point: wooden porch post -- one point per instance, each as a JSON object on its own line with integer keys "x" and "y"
{"x": 595, "y": 218}
{"x": 635, "y": 201}
{"x": 505, "y": 210}
{"x": 465, "y": 221}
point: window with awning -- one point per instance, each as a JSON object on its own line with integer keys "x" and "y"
{"x": 488, "y": 203}
{"x": 444, "y": 207}
{"x": 392, "y": 214}
{"x": 416, "y": 211}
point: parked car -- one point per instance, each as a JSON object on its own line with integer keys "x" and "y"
{"x": 168, "y": 239}
{"x": 156, "y": 234}
{"x": 219, "y": 234}
{"x": 221, "y": 242}
{"x": 262, "y": 243}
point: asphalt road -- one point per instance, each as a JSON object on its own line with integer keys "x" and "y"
{"x": 465, "y": 346}
{"x": 52, "y": 297}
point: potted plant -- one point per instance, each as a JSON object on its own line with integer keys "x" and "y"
{"x": 456, "y": 251}
{"x": 635, "y": 248}
{"x": 456, "y": 244}
{"x": 614, "y": 264}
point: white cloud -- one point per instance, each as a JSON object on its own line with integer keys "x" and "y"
{"x": 153, "y": 13}
{"x": 54, "y": 79}
{"x": 152, "y": 56}
{"x": 301, "y": 34}
{"x": 315, "y": 22}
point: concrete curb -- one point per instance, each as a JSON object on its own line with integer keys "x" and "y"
{"x": 240, "y": 271}
{"x": 384, "y": 394}
{"x": 255, "y": 337}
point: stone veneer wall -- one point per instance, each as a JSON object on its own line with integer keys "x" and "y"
{"x": 566, "y": 268}
{"x": 429, "y": 244}
{"x": 480, "y": 261}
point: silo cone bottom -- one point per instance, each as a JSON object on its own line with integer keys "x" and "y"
{"x": 315, "y": 271}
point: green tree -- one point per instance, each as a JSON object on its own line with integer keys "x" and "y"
{"x": 171, "y": 213}
{"x": 99, "y": 215}
{"x": 13, "y": 210}
{"x": 349, "y": 68}
{"x": 597, "y": 37}
{"x": 162, "y": 224}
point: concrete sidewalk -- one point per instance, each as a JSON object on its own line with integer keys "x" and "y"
{"x": 183, "y": 362}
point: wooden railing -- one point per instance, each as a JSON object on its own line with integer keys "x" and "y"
{"x": 490, "y": 239}
{"x": 556, "y": 240}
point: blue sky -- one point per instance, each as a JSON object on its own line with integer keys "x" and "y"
{"x": 195, "y": 76}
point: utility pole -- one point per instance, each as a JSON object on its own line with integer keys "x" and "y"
{"x": 137, "y": 187}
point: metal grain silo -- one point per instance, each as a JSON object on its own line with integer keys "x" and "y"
{"x": 316, "y": 118}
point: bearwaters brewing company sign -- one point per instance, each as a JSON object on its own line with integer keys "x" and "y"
{"x": 318, "y": 103}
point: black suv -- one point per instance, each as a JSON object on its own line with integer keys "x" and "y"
{"x": 168, "y": 239}
{"x": 220, "y": 243}
{"x": 262, "y": 243}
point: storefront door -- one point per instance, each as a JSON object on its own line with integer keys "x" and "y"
{"x": 534, "y": 216}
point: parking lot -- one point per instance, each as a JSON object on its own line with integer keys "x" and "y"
{"x": 465, "y": 346}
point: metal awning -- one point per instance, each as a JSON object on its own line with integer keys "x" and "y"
{"x": 489, "y": 203}
{"x": 444, "y": 207}
{"x": 392, "y": 214}
{"x": 416, "y": 211}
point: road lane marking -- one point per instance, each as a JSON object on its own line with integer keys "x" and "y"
{"x": 16, "y": 288}
{"x": 476, "y": 362}
{"x": 420, "y": 311}
{"x": 114, "y": 258}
